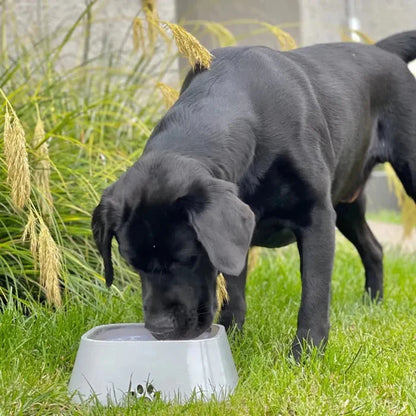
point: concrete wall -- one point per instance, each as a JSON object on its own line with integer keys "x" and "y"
{"x": 379, "y": 195}
{"x": 111, "y": 27}
{"x": 275, "y": 12}
{"x": 311, "y": 21}
{"x": 320, "y": 20}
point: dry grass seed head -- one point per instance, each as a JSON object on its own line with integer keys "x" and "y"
{"x": 190, "y": 47}
{"x": 152, "y": 18}
{"x": 170, "y": 95}
{"x": 18, "y": 173}
{"x": 31, "y": 233}
{"x": 222, "y": 294}
{"x": 153, "y": 28}
{"x": 223, "y": 34}
{"x": 149, "y": 5}
{"x": 42, "y": 168}
{"x": 285, "y": 40}
{"x": 49, "y": 265}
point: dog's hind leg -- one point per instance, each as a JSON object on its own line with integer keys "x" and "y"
{"x": 233, "y": 311}
{"x": 352, "y": 223}
{"x": 398, "y": 132}
{"x": 403, "y": 161}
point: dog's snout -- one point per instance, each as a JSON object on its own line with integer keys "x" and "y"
{"x": 160, "y": 324}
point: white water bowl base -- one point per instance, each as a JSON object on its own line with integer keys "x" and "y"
{"x": 118, "y": 362}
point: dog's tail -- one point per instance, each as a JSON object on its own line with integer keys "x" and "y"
{"x": 403, "y": 44}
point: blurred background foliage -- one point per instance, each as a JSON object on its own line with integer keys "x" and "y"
{"x": 91, "y": 121}
{"x": 82, "y": 125}
{"x": 96, "y": 117}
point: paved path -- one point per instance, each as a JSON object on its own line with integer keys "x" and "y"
{"x": 391, "y": 236}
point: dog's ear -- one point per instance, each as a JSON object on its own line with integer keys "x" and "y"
{"x": 224, "y": 226}
{"x": 103, "y": 232}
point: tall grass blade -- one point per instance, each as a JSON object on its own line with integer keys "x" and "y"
{"x": 71, "y": 30}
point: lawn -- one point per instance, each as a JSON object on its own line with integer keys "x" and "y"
{"x": 369, "y": 367}
{"x": 387, "y": 216}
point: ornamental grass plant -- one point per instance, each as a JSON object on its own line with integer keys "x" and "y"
{"x": 67, "y": 133}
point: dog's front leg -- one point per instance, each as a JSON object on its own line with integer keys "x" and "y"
{"x": 233, "y": 311}
{"x": 316, "y": 244}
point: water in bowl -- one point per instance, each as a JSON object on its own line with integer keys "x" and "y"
{"x": 136, "y": 332}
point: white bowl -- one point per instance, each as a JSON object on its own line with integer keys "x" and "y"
{"x": 117, "y": 362}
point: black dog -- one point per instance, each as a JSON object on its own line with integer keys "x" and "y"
{"x": 265, "y": 148}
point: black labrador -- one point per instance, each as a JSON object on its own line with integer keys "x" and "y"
{"x": 265, "y": 148}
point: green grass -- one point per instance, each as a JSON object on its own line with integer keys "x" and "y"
{"x": 369, "y": 367}
{"x": 386, "y": 215}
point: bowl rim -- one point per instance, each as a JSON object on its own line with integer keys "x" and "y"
{"x": 87, "y": 335}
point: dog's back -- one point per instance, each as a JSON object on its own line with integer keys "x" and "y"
{"x": 255, "y": 102}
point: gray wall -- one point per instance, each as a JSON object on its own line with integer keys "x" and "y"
{"x": 311, "y": 21}
{"x": 271, "y": 11}
{"x": 33, "y": 20}
{"x": 276, "y": 12}
{"x": 321, "y": 19}
{"x": 315, "y": 21}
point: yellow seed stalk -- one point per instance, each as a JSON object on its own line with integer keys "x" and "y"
{"x": 18, "y": 174}
{"x": 190, "y": 47}
{"x": 222, "y": 33}
{"x": 42, "y": 168}
{"x": 138, "y": 35}
{"x": 49, "y": 265}
{"x": 30, "y": 233}
{"x": 285, "y": 40}
{"x": 222, "y": 294}
{"x": 170, "y": 95}
{"x": 152, "y": 18}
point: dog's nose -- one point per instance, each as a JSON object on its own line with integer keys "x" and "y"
{"x": 160, "y": 326}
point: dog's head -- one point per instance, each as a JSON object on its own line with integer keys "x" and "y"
{"x": 178, "y": 227}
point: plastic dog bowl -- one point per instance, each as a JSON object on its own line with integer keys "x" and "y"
{"x": 116, "y": 363}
